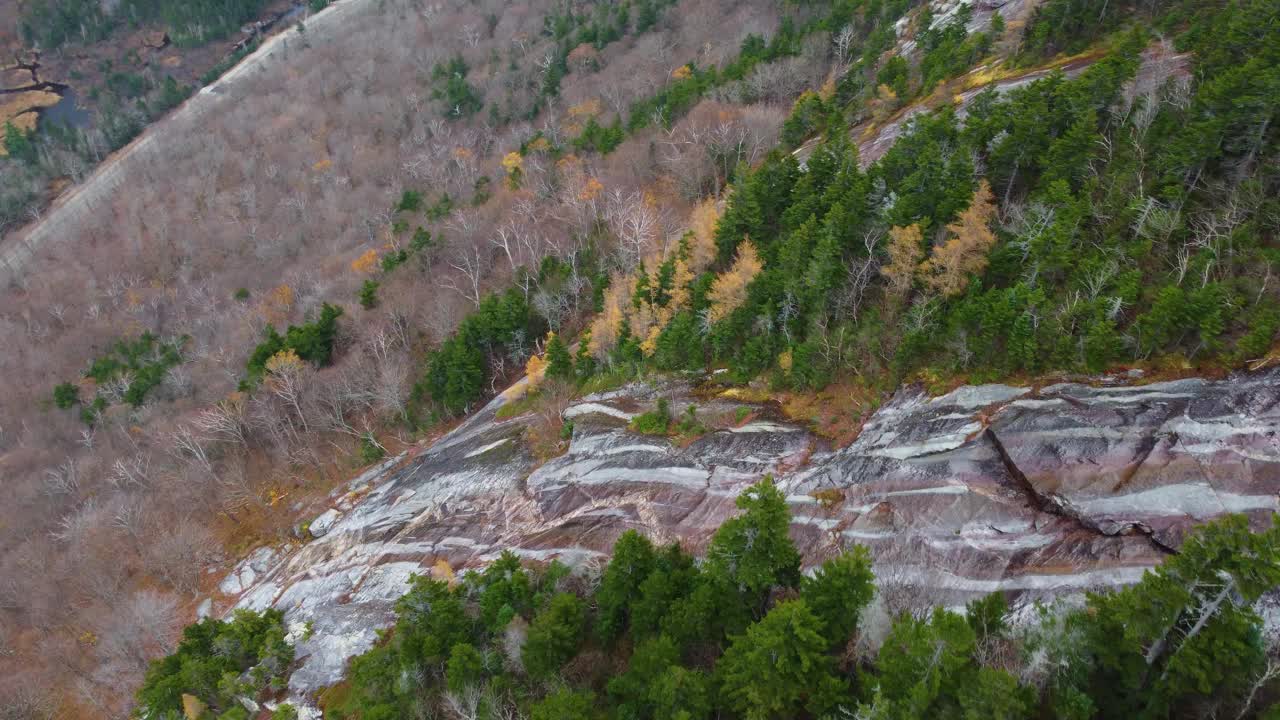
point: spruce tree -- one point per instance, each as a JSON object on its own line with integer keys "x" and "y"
{"x": 839, "y": 590}
{"x": 633, "y": 561}
{"x": 559, "y": 362}
{"x": 752, "y": 553}
{"x": 780, "y": 667}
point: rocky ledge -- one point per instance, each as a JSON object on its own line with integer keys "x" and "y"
{"x": 1037, "y": 492}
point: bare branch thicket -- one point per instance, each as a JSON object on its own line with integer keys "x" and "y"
{"x": 188, "y": 448}
{"x": 464, "y": 704}
{"x": 62, "y": 480}
{"x": 1268, "y": 675}
{"x": 130, "y": 517}
{"x": 75, "y": 528}
{"x": 859, "y": 274}
{"x": 389, "y": 392}
{"x": 179, "y": 555}
{"x": 226, "y": 421}
{"x": 291, "y": 383}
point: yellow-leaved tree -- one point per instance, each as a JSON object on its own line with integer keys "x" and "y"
{"x": 965, "y": 252}
{"x": 608, "y": 324}
{"x": 513, "y": 164}
{"x": 904, "y": 257}
{"x": 729, "y": 291}
{"x": 649, "y": 314}
{"x": 366, "y": 263}
{"x": 680, "y": 280}
{"x": 285, "y": 362}
{"x": 535, "y": 369}
{"x": 702, "y": 244}
{"x": 786, "y": 361}
{"x": 275, "y": 307}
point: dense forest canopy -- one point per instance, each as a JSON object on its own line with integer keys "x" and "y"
{"x": 49, "y": 24}
{"x": 1072, "y": 223}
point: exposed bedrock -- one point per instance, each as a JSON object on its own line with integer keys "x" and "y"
{"x": 1038, "y": 493}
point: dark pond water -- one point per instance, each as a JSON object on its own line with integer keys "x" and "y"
{"x": 67, "y": 111}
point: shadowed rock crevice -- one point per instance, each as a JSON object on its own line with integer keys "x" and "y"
{"x": 1054, "y": 505}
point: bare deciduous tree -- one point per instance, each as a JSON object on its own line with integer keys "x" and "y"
{"x": 470, "y": 265}
{"x": 178, "y": 555}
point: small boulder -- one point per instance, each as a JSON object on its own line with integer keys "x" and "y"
{"x": 231, "y": 584}
{"x": 262, "y": 559}
{"x": 244, "y": 575}
{"x": 155, "y": 40}
{"x": 324, "y": 522}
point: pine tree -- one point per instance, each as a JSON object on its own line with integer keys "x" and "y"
{"x": 465, "y": 668}
{"x": 565, "y": 704}
{"x": 839, "y": 590}
{"x": 780, "y": 668}
{"x": 824, "y": 271}
{"x": 651, "y": 659}
{"x": 680, "y": 694}
{"x": 584, "y": 364}
{"x": 18, "y": 144}
{"x": 673, "y": 578}
{"x": 633, "y": 561}
{"x": 554, "y": 635}
{"x": 994, "y": 694}
{"x": 432, "y": 620}
{"x": 752, "y": 552}
{"x": 559, "y": 362}
{"x": 924, "y": 662}
{"x": 369, "y": 294}
{"x": 1188, "y": 629}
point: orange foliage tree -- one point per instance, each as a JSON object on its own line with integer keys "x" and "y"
{"x": 729, "y": 291}
{"x": 947, "y": 271}
{"x": 366, "y": 263}
{"x": 702, "y": 243}
{"x": 608, "y": 324}
{"x": 904, "y": 257}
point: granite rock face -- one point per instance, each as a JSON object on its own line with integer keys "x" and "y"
{"x": 1040, "y": 493}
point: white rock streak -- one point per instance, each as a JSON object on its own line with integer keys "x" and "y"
{"x": 978, "y": 490}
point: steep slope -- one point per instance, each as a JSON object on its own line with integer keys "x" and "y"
{"x": 1042, "y": 222}
{"x": 1041, "y": 492}
{"x": 89, "y": 198}
{"x": 1160, "y": 64}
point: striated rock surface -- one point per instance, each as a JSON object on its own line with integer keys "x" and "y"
{"x": 1040, "y": 493}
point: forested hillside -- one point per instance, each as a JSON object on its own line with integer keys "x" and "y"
{"x": 1067, "y": 224}
{"x": 391, "y": 220}
{"x": 104, "y": 71}
{"x": 50, "y": 24}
